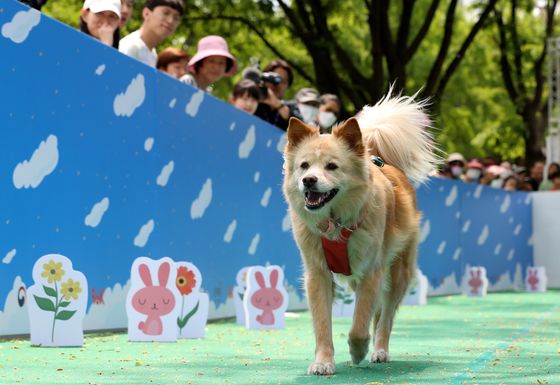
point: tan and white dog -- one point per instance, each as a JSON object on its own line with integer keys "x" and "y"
{"x": 353, "y": 213}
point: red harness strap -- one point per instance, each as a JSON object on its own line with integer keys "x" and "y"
{"x": 336, "y": 252}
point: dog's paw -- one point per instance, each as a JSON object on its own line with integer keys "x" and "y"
{"x": 321, "y": 368}
{"x": 379, "y": 356}
{"x": 358, "y": 348}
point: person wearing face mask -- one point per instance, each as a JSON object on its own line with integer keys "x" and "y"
{"x": 307, "y": 100}
{"x": 329, "y": 112}
{"x": 496, "y": 175}
{"x": 455, "y": 164}
{"x": 474, "y": 172}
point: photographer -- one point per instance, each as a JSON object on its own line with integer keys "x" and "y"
{"x": 274, "y": 82}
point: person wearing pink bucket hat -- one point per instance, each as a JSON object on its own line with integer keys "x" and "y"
{"x": 211, "y": 62}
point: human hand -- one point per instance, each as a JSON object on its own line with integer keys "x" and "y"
{"x": 272, "y": 100}
{"x": 106, "y": 32}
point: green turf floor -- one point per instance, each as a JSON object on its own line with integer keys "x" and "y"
{"x": 504, "y": 338}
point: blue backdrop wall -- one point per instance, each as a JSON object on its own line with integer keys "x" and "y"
{"x": 104, "y": 159}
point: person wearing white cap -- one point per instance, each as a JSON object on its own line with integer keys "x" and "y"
{"x": 211, "y": 62}
{"x": 100, "y": 20}
{"x": 307, "y": 100}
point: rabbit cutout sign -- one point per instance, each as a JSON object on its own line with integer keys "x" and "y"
{"x": 536, "y": 280}
{"x": 475, "y": 282}
{"x": 239, "y": 294}
{"x": 266, "y": 298}
{"x": 151, "y": 301}
{"x": 418, "y": 292}
{"x": 57, "y": 302}
{"x": 193, "y": 305}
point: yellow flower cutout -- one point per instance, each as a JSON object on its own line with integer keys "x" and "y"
{"x": 52, "y": 271}
{"x": 71, "y": 289}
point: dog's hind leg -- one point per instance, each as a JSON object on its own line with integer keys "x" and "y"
{"x": 358, "y": 337}
{"x": 319, "y": 287}
{"x": 401, "y": 273}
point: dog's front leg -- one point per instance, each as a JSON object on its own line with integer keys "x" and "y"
{"x": 358, "y": 337}
{"x": 319, "y": 286}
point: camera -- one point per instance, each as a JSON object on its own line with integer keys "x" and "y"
{"x": 271, "y": 77}
{"x": 261, "y": 78}
{"x": 268, "y": 77}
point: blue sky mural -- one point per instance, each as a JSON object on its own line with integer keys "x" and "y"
{"x": 104, "y": 159}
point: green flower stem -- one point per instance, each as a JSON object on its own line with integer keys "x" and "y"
{"x": 56, "y": 301}
{"x": 181, "y": 314}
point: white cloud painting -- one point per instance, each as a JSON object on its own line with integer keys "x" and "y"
{"x": 201, "y": 203}
{"x": 30, "y": 173}
{"x": 21, "y": 25}
{"x": 144, "y": 234}
{"x": 128, "y": 101}
{"x": 96, "y": 214}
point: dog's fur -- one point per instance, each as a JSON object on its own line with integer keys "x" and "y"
{"x": 380, "y": 201}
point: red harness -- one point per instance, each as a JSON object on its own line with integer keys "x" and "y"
{"x": 336, "y": 252}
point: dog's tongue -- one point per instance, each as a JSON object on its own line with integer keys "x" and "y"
{"x": 314, "y": 197}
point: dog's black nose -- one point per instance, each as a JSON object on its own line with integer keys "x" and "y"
{"x": 309, "y": 181}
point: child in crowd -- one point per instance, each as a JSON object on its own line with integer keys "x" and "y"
{"x": 511, "y": 183}
{"x": 100, "y": 20}
{"x": 161, "y": 19}
{"x": 555, "y": 179}
{"x": 173, "y": 61}
{"x": 245, "y": 96}
{"x": 211, "y": 62}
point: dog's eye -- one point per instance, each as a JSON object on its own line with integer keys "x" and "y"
{"x": 331, "y": 166}
{"x": 304, "y": 165}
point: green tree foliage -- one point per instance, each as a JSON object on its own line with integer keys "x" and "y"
{"x": 444, "y": 49}
{"x": 523, "y": 29}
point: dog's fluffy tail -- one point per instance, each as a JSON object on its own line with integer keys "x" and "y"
{"x": 397, "y": 130}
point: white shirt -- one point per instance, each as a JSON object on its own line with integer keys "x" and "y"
{"x": 133, "y": 45}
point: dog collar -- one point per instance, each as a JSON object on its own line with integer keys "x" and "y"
{"x": 336, "y": 251}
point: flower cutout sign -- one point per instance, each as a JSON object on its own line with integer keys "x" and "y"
{"x": 57, "y": 302}
{"x": 193, "y": 304}
{"x": 239, "y": 294}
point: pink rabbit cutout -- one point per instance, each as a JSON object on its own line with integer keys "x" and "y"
{"x": 154, "y": 301}
{"x": 475, "y": 282}
{"x": 533, "y": 279}
{"x": 267, "y": 299}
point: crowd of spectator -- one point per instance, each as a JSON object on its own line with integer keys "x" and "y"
{"x": 510, "y": 177}
{"x": 261, "y": 93}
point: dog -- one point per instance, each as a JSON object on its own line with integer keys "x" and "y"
{"x": 353, "y": 211}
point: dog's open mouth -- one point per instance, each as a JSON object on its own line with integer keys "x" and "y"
{"x": 315, "y": 200}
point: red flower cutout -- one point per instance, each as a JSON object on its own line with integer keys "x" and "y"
{"x": 186, "y": 280}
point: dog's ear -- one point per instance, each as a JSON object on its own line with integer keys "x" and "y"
{"x": 350, "y": 132}
{"x": 297, "y": 131}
